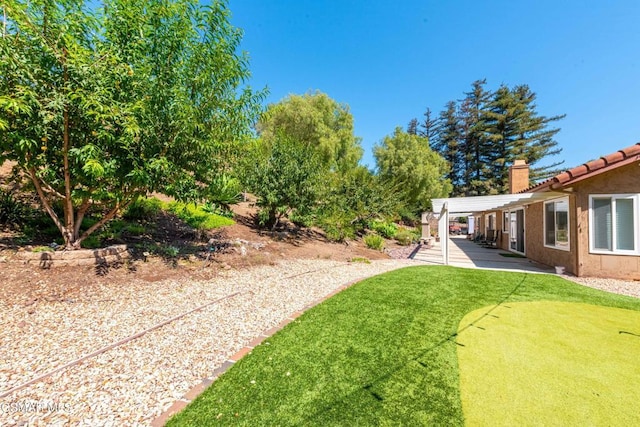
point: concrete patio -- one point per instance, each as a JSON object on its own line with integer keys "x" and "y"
{"x": 467, "y": 254}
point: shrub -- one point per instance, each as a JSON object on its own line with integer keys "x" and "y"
{"x": 337, "y": 225}
{"x": 143, "y": 208}
{"x": 385, "y": 229}
{"x": 134, "y": 229}
{"x": 91, "y": 242}
{"x": 168, "y": 251}
{"x": 406, "y": 237}
{"x": 361, "y": 259}
{"x": 197, "y": 217}
{"x": 223, "y": 191}
{"x": 12, "y": 211}
{"x": 214, "y": 208}
{"x": 374, "y": 241}
{"x": 301, "y": 220}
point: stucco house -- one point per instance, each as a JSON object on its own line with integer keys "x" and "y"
{"x": 586, "y": 219}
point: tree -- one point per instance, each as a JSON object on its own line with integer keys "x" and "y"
{"x": 417, "y": 172}
{"x": 431, "y": 127}
{"x": 516, "y": 131}
{"x": 484, "y": 133}
{"x": 285, "y": 175}
{"x": 448, "y": 145}
{"x": 476, "y": 178}
{"x": 101, "y": 106}
{"x": 412, "y": 127}
{"x": 317, "y": 121}
{"x": 353, "y": 201}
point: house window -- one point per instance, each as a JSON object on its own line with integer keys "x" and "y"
{"x": 556, "y": 224}
{"x": 505, "y": 222}
{"x": 614, "y": 222}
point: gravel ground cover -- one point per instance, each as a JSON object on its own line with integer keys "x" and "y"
{"x": 135, "y": 382}
{"x": 623, "y": 287}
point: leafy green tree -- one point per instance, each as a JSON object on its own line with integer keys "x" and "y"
{"x": 317, "y": 121}
{"x": 353, "y": 201}
{"x": 99, "y": 106}
{"x": 416, "y": 171}
{"x": 286, "y": 176}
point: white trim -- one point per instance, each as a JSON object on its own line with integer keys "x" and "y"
{"x": 566, "y": 248}
{"x": 524, "y": 233}
{"x": 636, "y": 220}
{"x": 491, "y": 203}
{"x": 505, "y": 221}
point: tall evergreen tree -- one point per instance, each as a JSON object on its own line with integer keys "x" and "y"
{"x": 448, "y": 144}
{"x": 431, "y": 127}
{"x": 412, "y": 127}
{"x": 473, "y": 117}
{"x": 537, "y": 139}
{"x": 516, "y": 131}
{"x": 484, "y": 133}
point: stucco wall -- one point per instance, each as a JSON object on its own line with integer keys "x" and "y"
{"x": 625, "y": 179}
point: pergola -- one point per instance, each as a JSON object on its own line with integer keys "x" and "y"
{"x": 464, "y": 205}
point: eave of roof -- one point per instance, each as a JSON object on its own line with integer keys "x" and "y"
{"x": 590, "y": 169}
{"x": 459, "y": 205}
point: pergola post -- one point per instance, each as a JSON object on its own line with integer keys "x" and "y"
{"x": 443, "y": 231}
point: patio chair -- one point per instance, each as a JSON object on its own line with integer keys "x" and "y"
{"x": 492, "y": 243}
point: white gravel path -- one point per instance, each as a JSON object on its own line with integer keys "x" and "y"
{"x": 135, "y": 382}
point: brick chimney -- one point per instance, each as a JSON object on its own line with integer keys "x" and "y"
{"x": 518, "y": 176}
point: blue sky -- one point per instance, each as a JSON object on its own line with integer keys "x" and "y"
{"x": 389, "y": 60}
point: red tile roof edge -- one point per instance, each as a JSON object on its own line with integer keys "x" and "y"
{"x": 611, "y": 161}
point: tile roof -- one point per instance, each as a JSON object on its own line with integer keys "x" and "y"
{"x": 606, "y": 163}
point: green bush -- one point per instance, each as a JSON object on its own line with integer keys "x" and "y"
{"x": 197, "y": 217}
{"x": 12, "y": 211}
{"x": 406, "y": 237}
{"x": 134, "y": 229}
{"x": 300, "y": 219}
{"x": 91, "y": 242}
{"x": 374, "y": 241}
{"x": 168, "y": 251}
{"x": 214, "y": 208}
{"x": 385, "y": 229}
{"x": 224, "y": 190}
{"x": 337, "y": 225}
{"x": 143, "y": 208}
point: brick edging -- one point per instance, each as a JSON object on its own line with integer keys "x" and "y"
{"x": 196, "y": 390}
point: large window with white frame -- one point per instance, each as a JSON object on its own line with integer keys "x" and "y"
{"x": 614, "y": 223}
{"x": 556, "y": 224}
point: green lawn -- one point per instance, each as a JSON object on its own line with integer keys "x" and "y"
{"x": 385, "y": 351}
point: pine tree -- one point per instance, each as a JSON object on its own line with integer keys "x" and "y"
{"x": 473, "y": 118}
{"x": 537, "y": 140}
{"x": 484, "y": 133}
{"x": 412, "y": 127}
{"x": 430, "y": 127}
{"x": 516, "y": 131}
{"x": 448, "y": 144}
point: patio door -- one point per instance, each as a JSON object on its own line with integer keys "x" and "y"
{"x": 516, "y": 231}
